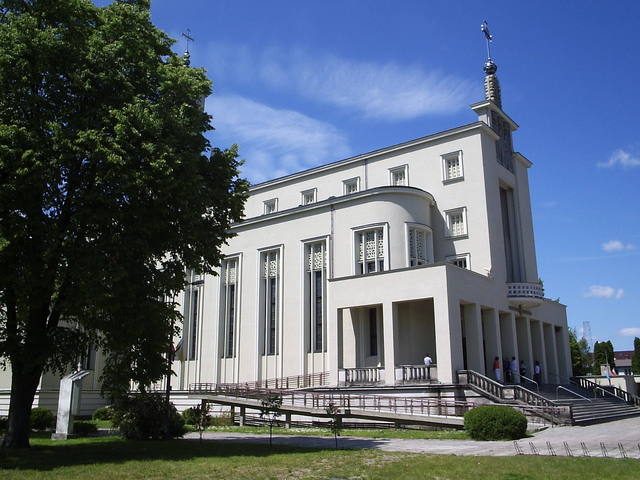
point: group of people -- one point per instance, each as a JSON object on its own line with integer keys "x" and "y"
{"x": 515, "y": 373}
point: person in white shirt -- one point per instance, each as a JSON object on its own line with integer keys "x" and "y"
{"x": 427, "y": 363}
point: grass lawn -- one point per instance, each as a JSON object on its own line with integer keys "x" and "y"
{"x": 114, "y": 458}
{"x": 353, "y": 432}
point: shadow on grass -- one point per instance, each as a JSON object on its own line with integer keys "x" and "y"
{"x": 49, "y": 455}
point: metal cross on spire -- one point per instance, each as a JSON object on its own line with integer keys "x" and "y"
{"x": 188, "y": 37}
{"x": 485, "y": 29}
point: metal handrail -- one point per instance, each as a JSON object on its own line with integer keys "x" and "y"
{"x": 530, "y": 380}
{"x": 559, "y": 387}
{"x": 595, "y": 389}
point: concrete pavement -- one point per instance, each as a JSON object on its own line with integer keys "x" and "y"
{"x": 624, "y": 432}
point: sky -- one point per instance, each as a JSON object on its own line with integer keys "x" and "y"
{"x": 298, "y": 84}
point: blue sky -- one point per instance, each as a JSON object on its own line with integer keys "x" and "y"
{"x": 297, "y": 84}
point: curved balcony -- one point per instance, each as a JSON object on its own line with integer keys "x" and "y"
{"x": 525, "y": 294}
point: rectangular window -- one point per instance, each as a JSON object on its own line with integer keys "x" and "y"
{"x": 308, "y": 196}
{"x": 420, "y": 246}
{"x": 315, "y": 284}
{"x": 399, "y": 176}
{"x": 351, "y": 186}
{"x": 270, "y": 293}
{"x": 369, "y": 251}
{"x": 270, "y": 206}
{"x": 456, "y": 222}
{"x": 373, "y": 332}
{"x": 193, "y": 325}
{"x": 452, "y": 166}
{"x": 462, "y": 260}
{"x": 229, "y": 301}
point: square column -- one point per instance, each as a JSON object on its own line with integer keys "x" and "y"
{"x": 551, "y": 354}
{"x": 448, "y": 338}
{"x": 473, "y": 337}
{"x": 525, "y": 350}
{"x": 334, "y": 334}
{"x": 564, "y": 353}
{"x": 389, "y": 322}
{"x": 539, "y": 352}
{"x": 492, "y": 340}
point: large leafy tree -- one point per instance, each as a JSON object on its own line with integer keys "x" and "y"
{"x": 109, "y": 190}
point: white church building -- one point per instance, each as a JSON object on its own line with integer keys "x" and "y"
{"x": 361, "y": 267}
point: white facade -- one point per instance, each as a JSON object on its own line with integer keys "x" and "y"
{"x": 371, "y": 262}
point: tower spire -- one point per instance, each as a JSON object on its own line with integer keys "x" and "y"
{"x": 491, "y": 83}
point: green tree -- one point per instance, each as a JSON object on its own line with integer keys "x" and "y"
{"x": 603, "y": 355}
{"x": 271, "y": 403}
{"x": 635, "y": 359}
{"x": 580, "y": 357}
{"x": 109, "y": 190}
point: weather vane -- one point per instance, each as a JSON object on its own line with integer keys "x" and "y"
{"x": 188, "y": 37}
{"x": 485, "y": 29}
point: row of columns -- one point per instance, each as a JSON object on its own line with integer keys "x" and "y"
{"x": 486, "y": 332}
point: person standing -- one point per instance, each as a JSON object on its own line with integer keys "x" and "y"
{"x": 496, "y": 369}
{"x": 427, "y": 363}
{"x": 537, "y": 372}
{"x": 514, "y": 369}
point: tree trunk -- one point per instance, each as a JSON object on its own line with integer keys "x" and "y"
{"x": 23, "y": 391}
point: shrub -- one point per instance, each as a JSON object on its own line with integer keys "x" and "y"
{"x": 83, "y": 428}
{"x": 144, "y": 416}
{"x": 104, "y": 413}
{"x": 495, "y": 422}
{"x": 224, "y": 420}
{"x": 41, "y": 418}
{"x": 189, "y": 416}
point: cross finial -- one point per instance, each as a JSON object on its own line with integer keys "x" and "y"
{"x": 188, "y": 37}
{"x": 485, "y": 29}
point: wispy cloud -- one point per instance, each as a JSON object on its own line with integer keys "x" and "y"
{"x": 386, "y": 91}
{"x": 617, "y": 246}
{"x": 630, "y": 332}
{"x": 604, "y": 291}
{"x": 621, "y": 158}
{"x": 274, "y": 142}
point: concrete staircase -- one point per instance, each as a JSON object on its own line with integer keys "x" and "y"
{"x": 589, "y": 410}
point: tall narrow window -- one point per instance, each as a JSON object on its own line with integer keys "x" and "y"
{"x": 193, "y": 325}
{"x": 373, "y": 332}
{"x": 420, "y": 246}
{"x": 369, "y": 251}
{"x": 315, "y": 281}
{"x": 270, "y": 290}
{"x": 229, "y": 295}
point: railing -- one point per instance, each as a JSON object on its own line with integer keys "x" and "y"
{"x": 507, "y": 393}
{"x": 620, "y": 394}
{"x": 525, "y": 289}
{"x": 347, "y": 402}
{"x": 530, "y": 380}
{"x": 284, "y": 383}
{"x": 418, "y": 373}
{"x": 560, "y": 387}
{"x": 362, "y": 375}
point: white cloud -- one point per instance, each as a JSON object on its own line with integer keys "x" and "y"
{"x": 604, "y": 291}
{"x": 630, "y": 332}
{"x": 621, "y": 158}
{"x": 388, "y": 91}
{"x": 617, "y": 246}
{"x": 274, "y": 142}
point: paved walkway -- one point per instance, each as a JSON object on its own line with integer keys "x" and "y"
{"x": 625, "y": 432}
